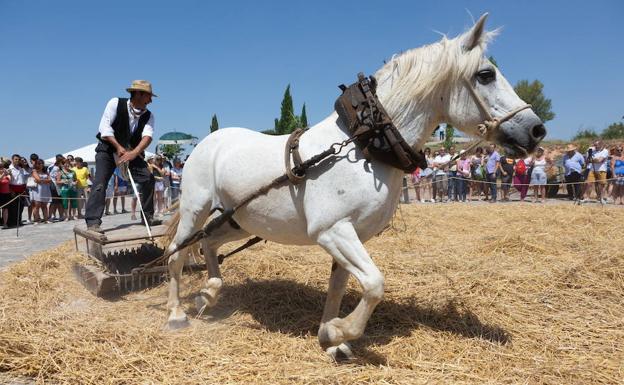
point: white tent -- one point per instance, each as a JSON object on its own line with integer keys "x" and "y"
{"x": 87, "y": 153}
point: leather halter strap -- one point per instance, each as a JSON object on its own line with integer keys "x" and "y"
{"x": 490, "y": 124}
{"x": 292, "y": 147}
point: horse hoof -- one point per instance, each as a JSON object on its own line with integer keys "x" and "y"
{"x": 177, "y": 323}
{"x": 330, "y": 336}
{"x": 341, "y": 353}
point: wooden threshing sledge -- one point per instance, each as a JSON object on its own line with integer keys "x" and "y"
{"x": 116, "y": 253}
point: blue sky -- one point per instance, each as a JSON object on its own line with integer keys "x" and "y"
{"x": 62, "y": 60}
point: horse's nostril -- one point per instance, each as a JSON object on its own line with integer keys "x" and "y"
{"x": 538, "y": 132}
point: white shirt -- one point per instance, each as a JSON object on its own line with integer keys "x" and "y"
{"x": 600, "y": 166}
{"x": 18, "y": 175}
{"x": 440, "y": 162}
{"x": 176, "y": 172}
{"x": 110, "y": 113}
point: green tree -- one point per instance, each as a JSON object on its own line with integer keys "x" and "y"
{"x": 287, "y": 122}
{"x": 171, "y": 150}
{"x": 614, "y": 131}
{"x": 532, "y": 93}
{"x": 304, "y": 117}
{"x": 587, "y": 133}
{"x": 214, "y": 125}
{"x": 449, "y": 134}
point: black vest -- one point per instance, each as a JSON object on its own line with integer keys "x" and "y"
{"x": 121, "y": 128}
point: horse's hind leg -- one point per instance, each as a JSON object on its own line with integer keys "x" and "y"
{"x": 342, "y": 242}
{"x": 208, "y": 296}
{"x": 337, "y": 286}
{"x": 189, "y": 223}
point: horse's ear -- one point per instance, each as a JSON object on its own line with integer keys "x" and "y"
{"x": 474, "y": 36}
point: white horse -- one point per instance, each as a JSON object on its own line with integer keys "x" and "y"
{"x": 345, "y": 200}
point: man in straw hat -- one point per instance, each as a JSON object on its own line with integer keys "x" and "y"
{"x": 125, "y": 131}
{"x": 573, "y": 163}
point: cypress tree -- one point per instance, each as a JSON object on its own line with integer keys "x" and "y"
{"x": 286, "y": 123}
{"x": 214, "y": 125}
{"x": 304, "y": 117}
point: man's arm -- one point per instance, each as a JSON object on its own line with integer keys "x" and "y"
{"x": 130, "y": 155}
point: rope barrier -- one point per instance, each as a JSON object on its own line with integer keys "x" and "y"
{"x": 513, "y": 184}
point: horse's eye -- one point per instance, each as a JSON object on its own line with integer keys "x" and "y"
{"x": 486, "y": 76}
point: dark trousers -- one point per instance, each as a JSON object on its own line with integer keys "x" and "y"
{"x": 575, "y": 190}
{"x": 452, "y": 185}
{"x": 492, "y": 179}
{"x": 104, "y": 168}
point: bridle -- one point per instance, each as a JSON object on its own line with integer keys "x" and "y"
{"x": 490, "y": 124}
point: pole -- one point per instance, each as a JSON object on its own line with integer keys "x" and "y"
{"x": 138, "y": 198}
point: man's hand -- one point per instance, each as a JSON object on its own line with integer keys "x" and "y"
{"x": 127, "y": 156}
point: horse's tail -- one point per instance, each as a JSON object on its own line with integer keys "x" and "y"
{"x": 172, "y": 228}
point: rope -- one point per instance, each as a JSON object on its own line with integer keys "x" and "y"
{"x": 510, "y": 184}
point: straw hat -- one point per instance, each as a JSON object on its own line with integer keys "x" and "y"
{"x": 141, "y": 85}
{"x": 570, "y": 147}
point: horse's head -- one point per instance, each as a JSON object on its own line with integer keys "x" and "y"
{"x": 484, "y": 93}
{"x": 452, "y": 81}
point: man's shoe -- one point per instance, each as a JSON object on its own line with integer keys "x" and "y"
{"x": 153, "y": 222}
{"x": 95, "y": 228}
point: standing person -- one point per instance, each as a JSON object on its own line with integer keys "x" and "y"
{"x": 463, "y": 173}
{"x": 66, "y": 182}
{"x": 82, "y": 183}
{"x": 478, "y": 173}
{"x": 42, "y": 194}
{"x": 176, "y": 178}
{"x": 597, "y": 165}
{"x": 521, "y": 178}
{"x": 617, "y": 165}
{"x": 416, "y": 182}
{"x": 440, "y": 167}
{"x": 56, "y": 206}
{"x": 5, "y": 192}
{"x": 31, "y": 186}
{"x": 538, "y": 176}
{"x": 507, "y": 170}
{"x": 426, "y": 178}
{"x": 110, "y": 192}
{"x": 125, "y": 131}
{"x": 17, "y": 186}
{"x": 452, "y": 176}
{"x": 121, "y": 189}
{"x": 492, "y": 165}
{"x": 156, "y": 166}
{"x": 573, "y": 164}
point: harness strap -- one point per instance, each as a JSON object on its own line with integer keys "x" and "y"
{"x": 296, "y": 174}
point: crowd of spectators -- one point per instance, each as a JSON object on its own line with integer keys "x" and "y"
{"x": 489, "y": 175}
{"x": 58, "y": 191}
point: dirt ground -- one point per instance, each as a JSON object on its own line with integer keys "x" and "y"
{"x": 494, "y": 294}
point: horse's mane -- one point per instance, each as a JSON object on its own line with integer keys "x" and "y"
{"x": 423, "y": 74}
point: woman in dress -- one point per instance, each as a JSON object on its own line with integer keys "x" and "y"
{"x": 426, "y": 178}
{"x": 66, "y": 181}
{"x": 42, "y": 195}
{"x": 477, "y": 173}
{"x": 158, "y": 171}
{"x": 538, "y": 176}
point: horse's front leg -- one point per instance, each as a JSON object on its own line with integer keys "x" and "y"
{"x": 177, "y": 316}
{"x": 342, "y": 242}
